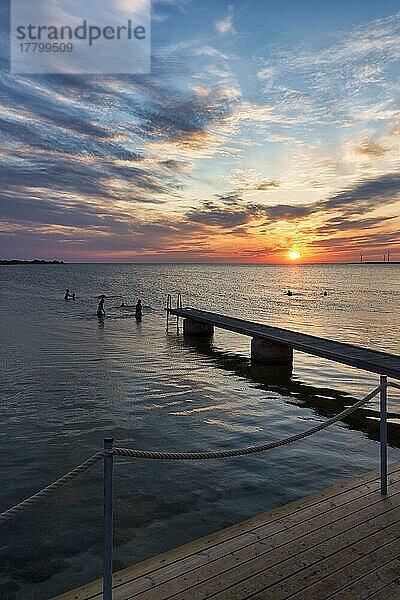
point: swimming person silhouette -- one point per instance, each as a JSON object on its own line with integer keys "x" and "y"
{"x": 101, "y": 313}
{"x": 138, "y": 309}
{"x": 67, "y": 294}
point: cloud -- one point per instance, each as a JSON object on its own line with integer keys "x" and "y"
{"x": 267, "y": 185}
{"x": 345, "y": 224}
{"x": 231, "y": 211}
{"x": 267, "y": 73}
{"x": 225, "y": 218}
{"x": 287, "y": 212}
{"x": 251, "y": 180}
{"x": 226, "y": 24}
{"x": 210, "y": 51}
{"x": 358, "y": 69}
{"x": 178, "y": 166}
{"x": 366, "y": 195}
{"x": 369, "y": 73}
{"x": 371, "y": 149}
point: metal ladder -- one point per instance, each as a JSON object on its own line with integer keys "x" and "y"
{"x": 168, "y": 309}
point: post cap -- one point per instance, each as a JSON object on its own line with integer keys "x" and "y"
{"x": 109, "y": 440}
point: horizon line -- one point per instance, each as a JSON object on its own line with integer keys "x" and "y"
{"x": 292, "y": 263}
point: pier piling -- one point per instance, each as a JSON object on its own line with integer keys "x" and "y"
{"x": 197, "y": 328}
{"x": 268, "y": 352}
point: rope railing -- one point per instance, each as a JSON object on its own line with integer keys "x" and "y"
{"x": 244, "y": 451}
{"x": 153, "y": 455}
{"x": 52, "y": 488}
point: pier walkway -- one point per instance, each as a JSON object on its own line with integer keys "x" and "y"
{"x": 201, "y": 322}
{"x": 342, "y": 543}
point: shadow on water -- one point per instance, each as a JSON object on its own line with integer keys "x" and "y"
{"x": 324, "y": 401}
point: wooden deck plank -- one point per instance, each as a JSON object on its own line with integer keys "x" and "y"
{"x": 289, "y": 532}
{"x": 390, "y": 592}
{"x": 363, "y": 588}
{"x": 365, "y": 561}
{"x": 374, "y": 361}
{"x": 287, "y": 587}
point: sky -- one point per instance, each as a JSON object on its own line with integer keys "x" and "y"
{"x": 265, "y": 127}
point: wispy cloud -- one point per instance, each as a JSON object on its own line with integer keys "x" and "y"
{"x": 226, "y": 24}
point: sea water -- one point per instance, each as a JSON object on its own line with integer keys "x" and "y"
{"x": 68, "y": 381}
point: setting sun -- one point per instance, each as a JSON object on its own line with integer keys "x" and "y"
{"x": 294, "y": 255}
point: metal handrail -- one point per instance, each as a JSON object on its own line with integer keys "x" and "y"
{"x": 168, "y": 308}
{"x": 179, "y": 301}
{"x": 179, "y": 305}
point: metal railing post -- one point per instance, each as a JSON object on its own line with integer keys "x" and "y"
{"x": 383, "y": 433}
{"x": 108, "y": 520}
{"x": 178, "y": 306}
{"x": 169, "y": 306}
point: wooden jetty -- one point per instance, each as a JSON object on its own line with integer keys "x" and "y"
{"x": 276, "y": 345}
{"x": 342, "y": 543}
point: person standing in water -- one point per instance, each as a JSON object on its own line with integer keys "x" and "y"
{"x": 138, "y": 309}
{"x": 67, "y": 295}
{"x": 101, "y": 313}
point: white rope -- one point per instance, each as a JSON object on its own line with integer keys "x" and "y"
{"x": 53, "y": 487}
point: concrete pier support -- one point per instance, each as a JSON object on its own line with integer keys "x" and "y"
{"x": 267, "y": 352}
{"x": 197, "y": 328}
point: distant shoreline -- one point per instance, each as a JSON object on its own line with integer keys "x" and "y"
{"x": 31, "y": 262}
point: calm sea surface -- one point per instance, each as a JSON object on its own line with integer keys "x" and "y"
{"x": 68, "y": 381}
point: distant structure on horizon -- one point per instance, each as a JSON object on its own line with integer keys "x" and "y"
{"x": 386, "y": 259}
{"x": 37, "y": 261}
